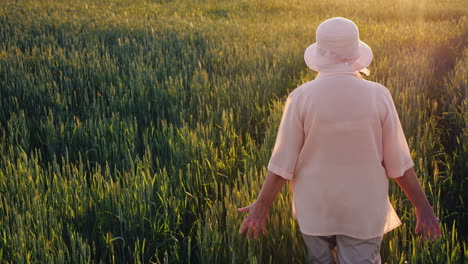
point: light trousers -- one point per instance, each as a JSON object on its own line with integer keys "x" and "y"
{"x": 342, "y": 249}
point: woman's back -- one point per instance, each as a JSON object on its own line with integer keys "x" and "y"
{"x": 331, "y": 137}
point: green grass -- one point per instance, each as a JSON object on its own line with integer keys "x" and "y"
{"x": 131, "y": 131}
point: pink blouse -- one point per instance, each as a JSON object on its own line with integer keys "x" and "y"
{"x": 339, "y": 140}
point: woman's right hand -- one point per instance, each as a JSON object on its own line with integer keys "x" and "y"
{"x": 426, "y": 220}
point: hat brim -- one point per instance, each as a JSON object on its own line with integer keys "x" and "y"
{"x": 316, "y": 61}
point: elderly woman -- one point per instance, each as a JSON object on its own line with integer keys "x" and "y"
{"x": 339, "y": 141}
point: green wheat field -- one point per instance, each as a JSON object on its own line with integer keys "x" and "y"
{"x": 132, "y": 130}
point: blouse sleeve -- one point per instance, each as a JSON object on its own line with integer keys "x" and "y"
{"x": 289, "y": 141}
{"x": 396, "y": 154}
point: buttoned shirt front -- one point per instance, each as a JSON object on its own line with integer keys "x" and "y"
{"x": 338, "y": 142}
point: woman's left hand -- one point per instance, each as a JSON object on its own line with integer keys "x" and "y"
{"x": 256, "y": 219}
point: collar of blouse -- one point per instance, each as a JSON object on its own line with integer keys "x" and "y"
{"x": 342, "y": 68}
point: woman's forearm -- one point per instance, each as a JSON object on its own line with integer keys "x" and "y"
{"x": 271, "y": 187}
{"x": 410, "y": 185}
{"x": 425, "y": 218}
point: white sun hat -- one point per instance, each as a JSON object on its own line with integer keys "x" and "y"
{"x": 337, "y": 43}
